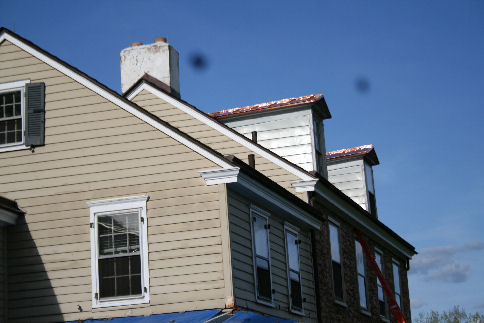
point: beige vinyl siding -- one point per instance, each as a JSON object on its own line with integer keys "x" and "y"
{"x": 214, "y": 139}
{"x": 95, "y": 150}
{"x": 242, "y": 263}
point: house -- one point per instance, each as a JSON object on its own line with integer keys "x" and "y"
{"x": 143, "y": 205}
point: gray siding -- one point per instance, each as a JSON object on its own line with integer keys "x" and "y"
{"x": 242, "y": 264}
{"x": 3, "y": 274}
{"x": 287, "y": 134}
{"x": 349, "y": 177}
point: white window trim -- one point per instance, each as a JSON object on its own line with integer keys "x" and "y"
{"x": 338, "y": 226}
{"x": 378, "y": 282}
{"x": 397, "y": 263}
{"x": 294, "y": 230}
{"x": 261, "y": 213}
{"x": 119, "y": 204}
{"x": 10, "y": 87}
{"x": 364, "y": 276}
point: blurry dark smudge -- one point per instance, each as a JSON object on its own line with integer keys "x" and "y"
{"x": 362, "y": 85}
{"x": 198, "y": 61}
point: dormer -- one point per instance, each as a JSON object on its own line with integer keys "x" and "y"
{"x": 351, "y": 170}
{"x": 292, "y": 128}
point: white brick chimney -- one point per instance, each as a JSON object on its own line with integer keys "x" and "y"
{"x": 159, "y": 60}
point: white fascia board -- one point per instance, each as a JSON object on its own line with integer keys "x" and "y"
{"x": 278, "y": 200}
{"x": 7, "y": 217}
{"x": 215, "y": 125}
{"x": 220, "y": 176}
{"x": 354, "y": 216}
{"x": 115, "y": 99}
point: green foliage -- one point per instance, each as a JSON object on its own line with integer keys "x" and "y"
{"x": 456, "y": 315}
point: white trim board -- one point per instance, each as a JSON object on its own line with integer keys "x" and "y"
{"x": 204, "y": 118}
{"x": 225, "y": 176}
{"x": 117, "y": 100}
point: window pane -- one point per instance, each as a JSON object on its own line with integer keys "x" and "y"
{"x": 264, "y": 283}
{"x": 360, "y": 264}
{"x": 135, "y": 265}
{"x": 133, "y": 242}
{"x": 19, "y": 136}
{"x": 260, "y": 237}
{"x": 262, "y": 263}
{"x": 380, "y": 293}
{"x": 9, "y": 98}
{"x": 382, "y": 308}
{"x": 18, "y": 109}
{"x": 107, "y": 287}
{"x": 122, "y": 266}
{"x": 119, "y": 223}
{"x": 106, "y": 245}
{"x": 361, "y": 288}
{"x": 17, "y": 97}
{"x": 369, "y": 178}
{"x": 136, "y": 285}
{"x": 106, "y": 268}
{"x": 1, "y": 113}
{"x": 122, "y": 285}
{"x": 292, "y": 251}
{"x": 337, "y": 281}
{"x": 2, "y": 137}
{"x": 104, "y": 225}
{"x": 11, "y": 125}
{"x": 334, "y": 242}
{"x": 296, "y": 297}
{"x": 120, "y": 243}
{"x": 397, "y": 299}
{"x": 396, "y": 278}
{"x": 9, "y": 111}
{"x": 10, "y": 137}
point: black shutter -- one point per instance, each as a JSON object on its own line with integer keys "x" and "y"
{"x": 35, "y": 114}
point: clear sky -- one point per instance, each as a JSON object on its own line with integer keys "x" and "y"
{"x": 406, "y": 76}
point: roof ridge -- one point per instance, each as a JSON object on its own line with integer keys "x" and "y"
{"x": 286, "y": 102}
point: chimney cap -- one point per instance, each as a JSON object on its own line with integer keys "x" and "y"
{"x": 136, "y": 44}
{"x": 160, "y": 40}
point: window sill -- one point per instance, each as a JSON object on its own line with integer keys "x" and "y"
{"x": 13, "y": 148}
{"x": 365, "y": 312}
{"x": 300, "y": 313}
{"x": 266, "y": 303}
{"x": 340, "y": 303}
{"x": 120, "y": 302}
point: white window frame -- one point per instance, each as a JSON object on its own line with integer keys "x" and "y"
{"x": 113, "y": 205}
{"x": 397, "y": 264}
{"x": 295, "y": 231}
{"x": 358, "y": 274}
{"x": 379, "y": 283}
{"x": 338, "y": 227}
{"x": 255, "y": 211}
{"x": 12, "y": 87}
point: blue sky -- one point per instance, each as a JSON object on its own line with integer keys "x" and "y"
{"x": 421, "y": 64}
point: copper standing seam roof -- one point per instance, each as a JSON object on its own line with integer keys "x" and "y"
{"x": 347, "y": 152}
{"x": 267, "y": 106}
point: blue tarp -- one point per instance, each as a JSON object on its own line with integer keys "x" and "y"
{"x": 186, "y": 317}
{"x": 192, "y": 317}
{"x": 245, "y": 317}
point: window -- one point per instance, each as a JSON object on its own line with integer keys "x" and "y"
{"x": 319, "y": 147}
{"x": 293, "y": 270}
{"x": 371, "y": 190}
{"x": 381, "y": 296}
{"x": 119, "y": 251}
{"x": 396, "y": 283}
{"x": 360, "y": 266}
{"x": 22, "y": 108}
{"x": 261, "y": 254}
{"x": 336, "y": 261}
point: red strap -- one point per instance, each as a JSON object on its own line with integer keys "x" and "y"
{"x": 397, "y": 312}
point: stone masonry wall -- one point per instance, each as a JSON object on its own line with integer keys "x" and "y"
{"x": 350, "y": 311}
